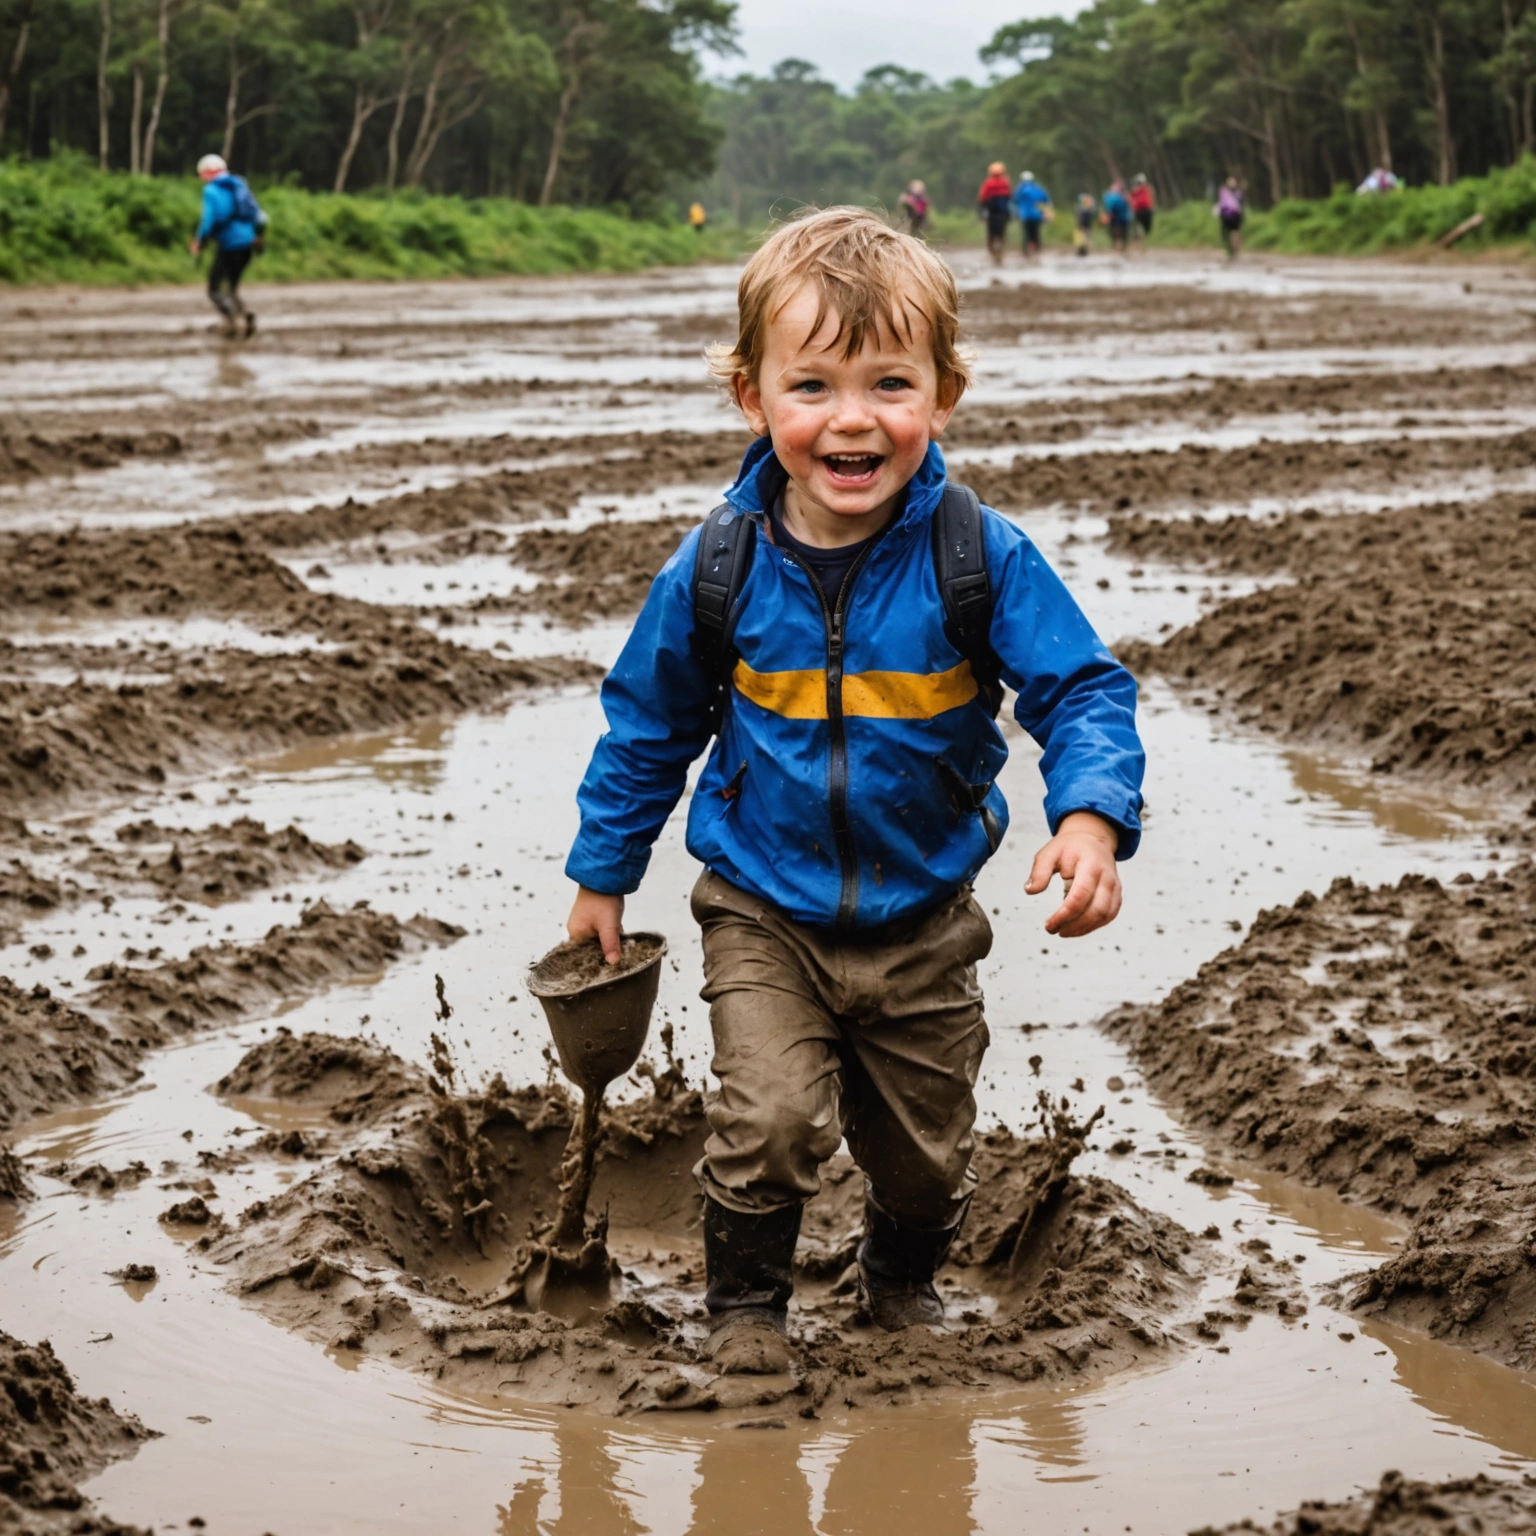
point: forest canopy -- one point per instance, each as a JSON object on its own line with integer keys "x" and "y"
{"x": 607, "y": 103}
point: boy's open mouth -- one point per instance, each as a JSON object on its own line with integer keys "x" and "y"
{"x": 853, "y": 468}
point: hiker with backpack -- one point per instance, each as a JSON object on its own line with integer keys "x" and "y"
{"x": 235, "y": 222}
{"x": 842, "y": 627}
{"x": 1229, "y": 211}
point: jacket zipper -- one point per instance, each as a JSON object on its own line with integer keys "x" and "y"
{"x": 842, "y": 831}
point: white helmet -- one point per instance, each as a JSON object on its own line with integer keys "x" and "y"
{"x": 212, "y": 165}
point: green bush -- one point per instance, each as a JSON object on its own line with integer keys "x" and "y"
{"x": 62, "y": 220}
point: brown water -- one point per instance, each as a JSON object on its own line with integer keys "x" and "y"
{"x": 266, "y": 1432}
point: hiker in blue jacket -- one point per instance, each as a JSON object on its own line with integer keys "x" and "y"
{"x": 1034, "y": 205}
{"x": 841, "y": 628}
{"x": 234, "y": 222}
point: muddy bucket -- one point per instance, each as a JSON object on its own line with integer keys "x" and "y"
{"x": 599, "y": 1013}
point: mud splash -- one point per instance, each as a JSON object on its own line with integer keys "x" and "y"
{"x": 401, "y": 1245}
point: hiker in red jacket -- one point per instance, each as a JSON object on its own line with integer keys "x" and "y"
{"x": 994, "y": 203}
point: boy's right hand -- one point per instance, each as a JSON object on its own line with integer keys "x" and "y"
{"x": 600, "y": 917}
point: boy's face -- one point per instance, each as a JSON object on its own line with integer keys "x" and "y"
{"x": 849, "y": 431}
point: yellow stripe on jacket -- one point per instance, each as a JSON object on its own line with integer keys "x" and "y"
{"x": 872, "y": 695}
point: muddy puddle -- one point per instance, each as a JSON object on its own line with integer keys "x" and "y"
{"x": 1259, "y": 1387}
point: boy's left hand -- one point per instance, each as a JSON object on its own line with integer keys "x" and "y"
{"x": 1083, "y": 850}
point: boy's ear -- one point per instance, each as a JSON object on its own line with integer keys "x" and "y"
{"x": 749, "y": 400}
{"x": 940, "y": 419}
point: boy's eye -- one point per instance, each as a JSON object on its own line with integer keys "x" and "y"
{"x": 891, "y": 385}
{"x": 808, "y": 387}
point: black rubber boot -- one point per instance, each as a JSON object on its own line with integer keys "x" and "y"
{"x": 747, "y": 1267}
{"x": 897, "y": 1264}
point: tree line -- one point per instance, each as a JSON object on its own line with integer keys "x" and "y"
{"x": 581, "y": 101}
{"x": 1291, "y": 96}
{"x": 606, "y": 102}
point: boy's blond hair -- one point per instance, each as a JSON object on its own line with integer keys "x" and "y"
{"x": 870, "y": 275}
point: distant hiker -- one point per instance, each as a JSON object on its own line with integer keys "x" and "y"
{"x": 1380, "y": 180}
{"x": 842, "y": 627}
{"x": 697, "y": 217}
{"x": 1034, "y": 205}
{"x": 914, "y": 203}
{"x": 1087, "y": 212}
{"x": 1229, "y": 209}
{"x": 1143, "y": 205}
{"x": 234, "y": 221}
{"x": 994, "y": 203}
{"x": 1117, "y": 215}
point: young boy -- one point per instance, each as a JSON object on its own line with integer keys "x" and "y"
{"x": 850, "y": 798}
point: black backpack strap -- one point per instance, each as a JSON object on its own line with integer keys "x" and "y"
{"x": 726, "y": 546}
{"x": 960, "y": 566}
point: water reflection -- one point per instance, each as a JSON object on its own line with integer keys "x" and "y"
{"x": 412, "y": 757}
{"x": 1390, "y": 804}
{"x": 1479, "y": 1396}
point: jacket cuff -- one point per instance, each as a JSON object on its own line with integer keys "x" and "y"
{"x": 1121, "y": 814}
{"x": 612, "y": 871}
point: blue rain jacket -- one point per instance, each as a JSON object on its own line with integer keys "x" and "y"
{"x": 1031, "y": 199}
{"x": 219, "y": 222}
{"x": 831, "y": 790}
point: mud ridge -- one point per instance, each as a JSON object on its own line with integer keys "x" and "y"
{"x": 403, "y": 1244}
{"x": 1402, "y": 1506}
{"x": 1382, "y": 1042}
{"x": 59, "y": 742}
{"x": 207, "y": 865}
{"x": 1118, "y": 480}
{"x": 51, "y": 1440}
{"x": 1404, "y": 635}
{"x": 55, "y": 1052}
{"x": 24, "y": 456}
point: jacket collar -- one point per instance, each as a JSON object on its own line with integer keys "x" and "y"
{"x": 762, "y": 477}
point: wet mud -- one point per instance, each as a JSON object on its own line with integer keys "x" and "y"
{"x": 56, "y": 1051}
{"x": 1383, "y": 1042}
{"x": 1370, "y": 1042}
{"x": 51, "y": 1439}
{"x": 1402, "y": 637}
{"x": 409, "y": 1244}
{"x": 60, "y": 743}
{"x": 1195, "y": 475}
{"x": 1402, "y": 1506}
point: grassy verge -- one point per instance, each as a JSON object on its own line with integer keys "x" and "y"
{"x": 1349, "y": 225}
{"x": 62, "y": 220}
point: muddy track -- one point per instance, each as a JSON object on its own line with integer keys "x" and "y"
{"x": 51, "y": 1440}
{"x": 1404, "y": 637}
{"x": 1383, "y": 1043}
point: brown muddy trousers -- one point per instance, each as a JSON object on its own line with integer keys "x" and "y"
{"x": 879, "y": 1038}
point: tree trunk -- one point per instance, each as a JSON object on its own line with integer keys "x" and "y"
{"x": 364, "y": 105}
{"x": 231, "y": 99}
{"x": 18, "y": 54}
{"x": 162, "y": 79}
{"x": 1439, "y": 98}
{"x": 445, "y": 121}
{"x": 557, "y": 141}
{"x": 1272, "y": 155}
{"x": 396, "y": 122}
{"x": 135, "y": 117}
{"x": 103, "y": 92}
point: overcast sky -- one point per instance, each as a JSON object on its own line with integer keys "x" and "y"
{"x": 843, "y": 38}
